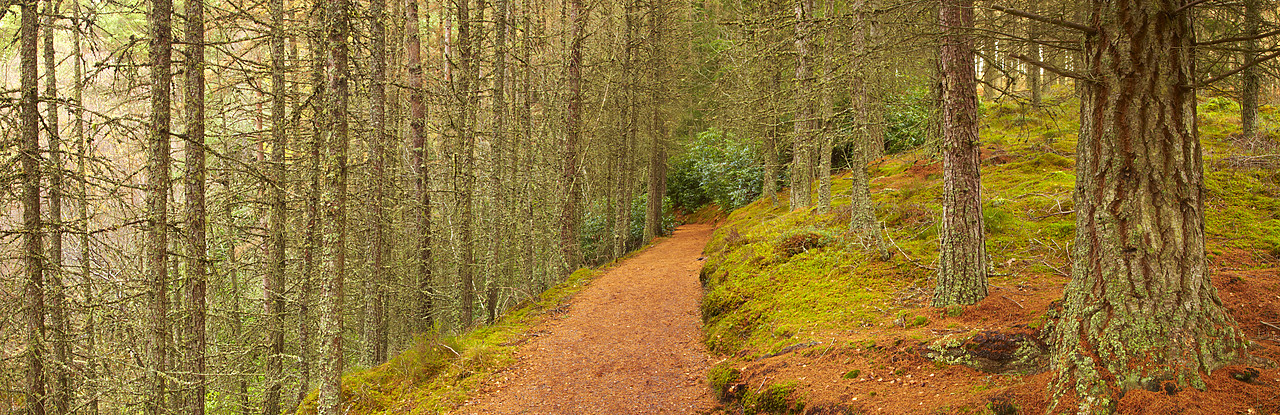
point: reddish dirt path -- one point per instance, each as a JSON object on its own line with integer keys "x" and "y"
{"x": 630, "y": 343}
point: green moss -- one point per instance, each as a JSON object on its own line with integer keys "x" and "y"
{"x": 721, "y": 377}
{"x": 777, "y": 398}
{"x": 852, "y": 374}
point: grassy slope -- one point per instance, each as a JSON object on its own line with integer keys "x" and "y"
{"x": 761, "y": 300}
{"x": 438, "y": 374}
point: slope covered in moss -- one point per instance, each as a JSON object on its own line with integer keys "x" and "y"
{"x": 790, "y": 300}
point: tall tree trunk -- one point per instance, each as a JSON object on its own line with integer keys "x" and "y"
{"x": 526, "y": 122}
{"x": 197, "y": 246}
{"x": 499, "y": 154}
{"x": 867, "y": 141}
{"x": 1140, "y": 310}
{"x": 310, "y": 265}
{"x": 422, "y": 182}
{"x": 1034, "y": 80}
{"x": 1250, "y": 78}
{"x": 84, "y": 152}
{"x": 657, "y": 186}
{"x": 826, "y": 116}
{"x": 573, "y": 118}
{"x": 805, "y": 121}
{"x": 373, "y": 332}
{"x": 337, "y": 77}
{"x": 157, "y": 196}
{"x": 33, "y": 257}
{"x": 466, "y": 165}
{"x": 273, "y": 283}
{"x": 62, "y": 391}
{"x": 630, "y": 119}
{"x": 962, "y": 261}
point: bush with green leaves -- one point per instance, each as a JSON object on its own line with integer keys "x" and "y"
{"x": 906, "y": 119}
{"x": 717, "y": 167}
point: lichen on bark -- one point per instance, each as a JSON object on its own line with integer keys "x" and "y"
{"x": 1140, "y": 311}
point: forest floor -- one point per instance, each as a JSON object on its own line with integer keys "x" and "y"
{"x": 802, "y": 319}
{"x": 631, "y": 342}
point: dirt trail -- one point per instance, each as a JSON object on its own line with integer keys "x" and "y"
{"x": 630, "y": 343}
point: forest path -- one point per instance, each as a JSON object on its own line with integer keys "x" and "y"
{"x": 630, "y": 343}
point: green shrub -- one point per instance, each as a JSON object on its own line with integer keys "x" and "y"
{"x": 715, "y": 167}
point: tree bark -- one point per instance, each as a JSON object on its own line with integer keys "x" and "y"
{"x": 573, "y": 118}
{"x": 630, "y": 119}
{"x": 274, "y": 282}
{"x": 464, "y": 78}
{"x": 84, "y": 151}
{"x": 62, "y": 390}
{"x": 197, "y": 245}
{"x": 962, "y": 262}
{"x": 867, "y": 139}
{"x": 373, "y": 332}
{"x": 805, "y": 124}
{"x": 337, "y": 77}
{"x": 310, "y": 266}
{"x": 1140, "y": 310}
{"x": 157, "y": 195}
{"x": 657, "y": 186}
{"x": 33, "y": 257}
{"x": 422, "y": 184}
{"x": 499, "y": 154}
{"x": 1250, "y": 78}
{"x": 1034, "y": 80}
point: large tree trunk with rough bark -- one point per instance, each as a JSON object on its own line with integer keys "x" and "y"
{"x": 1140, "y": 310}
{"x": 962, "y": 261}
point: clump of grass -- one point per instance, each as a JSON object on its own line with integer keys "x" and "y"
{"x": 438, "y": 373}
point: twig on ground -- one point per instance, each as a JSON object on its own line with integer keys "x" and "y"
{"x": 1055, "y": 269}
{"x": 1015, "y": 302}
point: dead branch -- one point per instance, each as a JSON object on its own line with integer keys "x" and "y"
{"x": 1050, "y": 68}
{"x": 1236, "y": 70}
{"x": 1057, "y": 22}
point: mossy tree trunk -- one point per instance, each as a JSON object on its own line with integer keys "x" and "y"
{"x": 1140, "y": 310}
{"x": 962, "y": 262}
{"x": 806, "y": 123}
{"x": 1250, "y": 77}
{"x": 866, "y": 141}
{"x": 196, "y": 343}
{"x": 337, "y": 77}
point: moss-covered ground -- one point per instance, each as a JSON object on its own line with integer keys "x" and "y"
{"x": 783, "y": 281}
{"x": 439, "y": 373}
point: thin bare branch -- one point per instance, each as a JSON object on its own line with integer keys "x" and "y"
{"x": 1050, "y": 68}
{"x": 1254, "y": 62}
{"x": 1057, "y": 22}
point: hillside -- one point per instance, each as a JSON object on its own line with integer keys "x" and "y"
{"x": 801, "y": 320}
